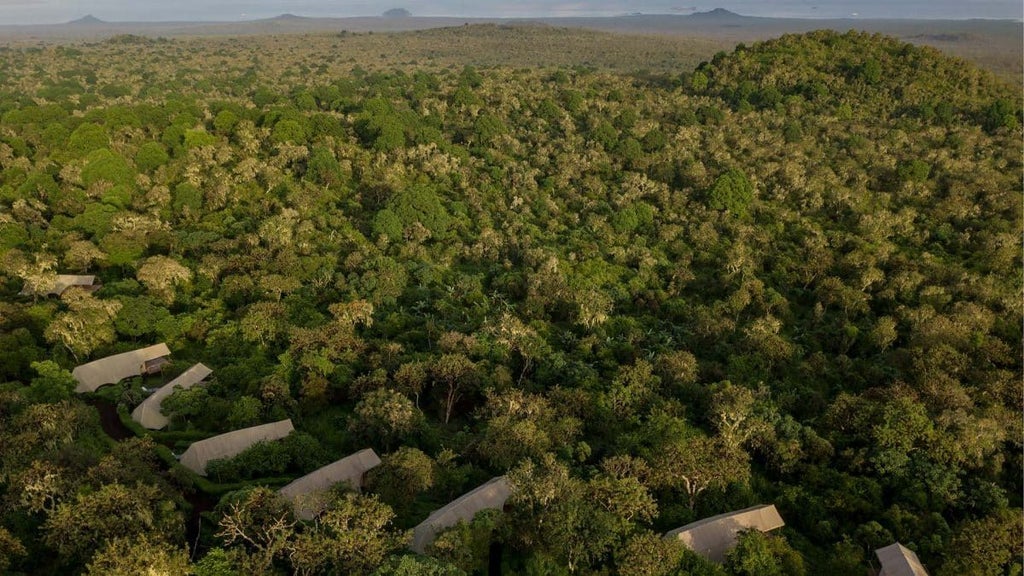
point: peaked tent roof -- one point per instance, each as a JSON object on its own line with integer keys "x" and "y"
{"x": 113, "y": 369}
{"x": 61, "y": 283}
{"x": 713, "y": 537}
{"x": 148, "y": 413}
{"x": 491, "y": 494}
{"x": 897, "y": 560}
{"x": 200, "y": 453}
{"x": 303, "y": 491}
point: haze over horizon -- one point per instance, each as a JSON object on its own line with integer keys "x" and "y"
{"x": 58, "y": 11}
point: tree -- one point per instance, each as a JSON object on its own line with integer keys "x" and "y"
{"x": 760, "y": 554}
{"x": 577, "y": 522}
{"x": 384, "y": 417}
{"x": 732, "y": 192}
{"x": 151, "y": 156}
{"x": 261, "y": 521}
{"x": 78, "y": 527}
{"x": 161, "y": 274}
{"x": 416, "y": 566}
{"x": 87, "y": 324}
{"x": 467, "y": 545}
{"x": 648, "y": 554}
{"x": 521, "y": 425}
{"x": 53, "y": 383}
{"x": 264, "y": 323}
{"x": 137, "y": 556}
{"x": 989, "y": 546}
{"x": 81, "y": 254}
{"x": 402, "y": 476}
{"x": 735, "y": 415}
{"x": 457, "y": 374}
{"x": 698, "y": 464}
{"x": 10, "y": 548}
{"x": 353, "y": 535}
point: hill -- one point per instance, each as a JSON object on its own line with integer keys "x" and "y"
{"x": 789, "y": 274}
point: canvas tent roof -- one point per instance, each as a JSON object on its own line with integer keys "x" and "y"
{"x": 113, "y": 369}
{"x": 491, "y": 494}
{"x": 899, "y": 561}
{"x": 148, "y": 413}
{"x": 61, "y": 283}
{"x": 303, "y": 491}
{"x": 713, "y": 537}
{"x": 200, "y": 453}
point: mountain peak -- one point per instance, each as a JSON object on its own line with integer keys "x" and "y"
{"x": 716, "y": 13}
{"x": 88, "y": 19}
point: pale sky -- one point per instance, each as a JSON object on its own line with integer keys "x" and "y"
{"x": 56, "y": 11}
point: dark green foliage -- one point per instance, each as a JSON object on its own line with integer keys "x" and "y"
{"x": 733, "y": 192}
{"x": 151, "y": 156}
{"x": 107, "y": 166}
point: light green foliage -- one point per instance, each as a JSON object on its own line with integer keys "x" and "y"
{"x": 198, "y": 138}
{"x": 80, "y": 526}
{"x": 759, "y": 554}
{"x": 53, "y": 383}
{"x": 352, "y": 536}
{"x": 128, "y": 557}
{"x": 403, "y": 475}
{"x": 385, "y": 417}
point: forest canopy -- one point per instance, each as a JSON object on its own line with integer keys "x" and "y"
{"x": 790, "y": 275}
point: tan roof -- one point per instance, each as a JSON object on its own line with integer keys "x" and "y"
{"x": 899, "y": 561}
{"x": 148, "y": 413}
{"x": 62, "y": 282}
{"x": 713, "y": 537}
{"x": 113, "y": 369}
{"x": 491, "y": 494}
{"x": 305, "y": 492}
{"x": 199, "y": 454}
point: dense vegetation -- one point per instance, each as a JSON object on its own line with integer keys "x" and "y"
{"x": 791, "y": 275}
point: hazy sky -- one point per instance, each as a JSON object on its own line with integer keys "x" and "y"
{"x": 54, "y": 11}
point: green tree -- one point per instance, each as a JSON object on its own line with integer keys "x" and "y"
{"x": 78, "y": 527}
{"x": 353, "y": 535}
{"x": 760, "y": 554}
{"x": 143, "y": 555}
{"x": 384, "y": 417}
{"x": 697, "y": 464}
{"x": 87, "y": 324}
{"x": 733, "y": 192}
{"x": 988, "y": 546}
{"x": 53, "y": 383}
{"x": 151, "y": 156}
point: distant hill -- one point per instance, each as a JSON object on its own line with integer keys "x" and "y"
{"x": 286, "y": 17}
{"x": 717, "y": 14}
{"x": 87, "y": 20}
{"x": 397, "y": 13}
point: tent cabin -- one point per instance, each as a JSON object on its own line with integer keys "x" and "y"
{"x": 306, "y": 493}
{"x": 491, "y": 494}
{"x": 229, "y": 444}
{"x": 113, "y": 369}
{"x": 148, "y": 413}
{"x": 713, "y": 537}
{"x": 62, "y": 282}
{"x": 899, "y": 561}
